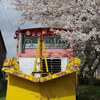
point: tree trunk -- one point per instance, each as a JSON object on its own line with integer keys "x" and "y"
{"x": 91, "y": 80}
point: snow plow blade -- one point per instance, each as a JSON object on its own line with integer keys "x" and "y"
{"x": 59, "y": 86}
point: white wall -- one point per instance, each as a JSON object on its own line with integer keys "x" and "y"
{"x": 27, "y": 64}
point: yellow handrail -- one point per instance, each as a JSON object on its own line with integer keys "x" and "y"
{"x": 41, "y": 52}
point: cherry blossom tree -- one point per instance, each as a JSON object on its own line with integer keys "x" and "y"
{"x": 82, "y": 16}
{"x": 75, "y": 14}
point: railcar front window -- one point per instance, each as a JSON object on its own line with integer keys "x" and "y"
{"x": 50, "y": 43}
{"x": 55, "y": 43}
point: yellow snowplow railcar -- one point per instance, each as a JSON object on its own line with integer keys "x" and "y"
{"x": 43, "y": 71}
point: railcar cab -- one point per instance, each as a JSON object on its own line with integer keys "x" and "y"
{"x": 58, "y": 52}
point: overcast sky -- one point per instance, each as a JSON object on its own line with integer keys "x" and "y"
{"x": 9, "y": 24}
